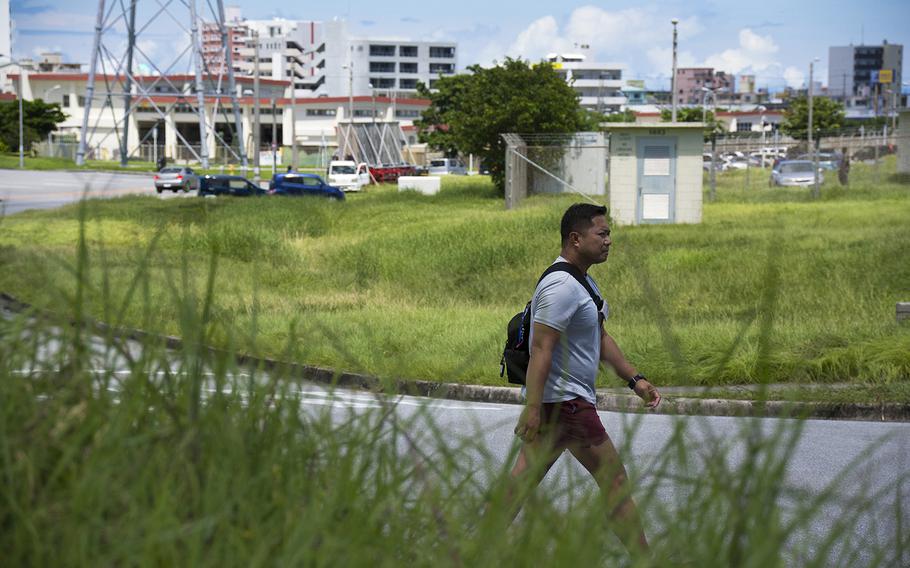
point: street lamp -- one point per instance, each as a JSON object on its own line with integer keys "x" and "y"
{"x": 19, "y": 96}
{"x": 674, "y": 21}
{"x": 50, "y": 152}
{"x": 809, "y": 134}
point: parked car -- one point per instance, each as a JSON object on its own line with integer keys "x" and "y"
{"x": 826, "y": 160}
{"x": 447, "y": 166}
{"x": 296, "y": 184}
{"x": 237, "y": 186}
{"x": 348, "y": 175}
{"x": 794, "y": 173}
{"x": 176, "y": 178}
{"x": 719, "y": 164}
{"x": 736, "y": 163}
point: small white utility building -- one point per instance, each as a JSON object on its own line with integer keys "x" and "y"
{"x": 655, "y": 172}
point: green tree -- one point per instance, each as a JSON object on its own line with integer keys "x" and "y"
{"x": 627, "y": 115}
{"x": 695, "y": 114}
{"x": 38, "y": 119}
{"x": 469, "y": 113}
{"x": 827, "y": 115}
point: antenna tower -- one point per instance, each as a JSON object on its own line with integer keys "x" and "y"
{"x": 152, "y": 94}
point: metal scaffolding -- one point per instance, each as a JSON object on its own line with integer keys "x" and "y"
{"x": 118, "y": 62}
{"x": 375, "y": 143}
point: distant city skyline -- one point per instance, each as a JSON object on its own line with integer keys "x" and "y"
{"x": 775, "y": 41}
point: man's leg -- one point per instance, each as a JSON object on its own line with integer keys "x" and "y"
{"x": 534, "y": 461}
{"x": 604, "y": 464}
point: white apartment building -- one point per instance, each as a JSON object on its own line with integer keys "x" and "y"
{"x": 6, "y": 43}
{"x": 599, "y": 85}
{"x": 324, "y": 60}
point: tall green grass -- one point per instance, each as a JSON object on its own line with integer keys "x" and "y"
{"x": 184, "y": 460}
{"x": 405, "y": 285}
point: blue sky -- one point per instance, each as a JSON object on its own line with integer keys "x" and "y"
{"x": 773, "y": 39}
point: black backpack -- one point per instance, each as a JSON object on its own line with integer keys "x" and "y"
{"x": 515, "y": 356}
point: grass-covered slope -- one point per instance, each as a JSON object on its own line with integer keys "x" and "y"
{"x": 771, "y": 286}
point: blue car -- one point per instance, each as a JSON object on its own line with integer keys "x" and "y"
{"x": 238, "y": 186}
{"x": 296, "y": 184}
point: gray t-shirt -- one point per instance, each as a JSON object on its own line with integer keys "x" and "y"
{"x": 562, "y": 303}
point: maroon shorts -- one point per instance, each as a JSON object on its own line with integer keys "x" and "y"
{"x": 572, "y": 423}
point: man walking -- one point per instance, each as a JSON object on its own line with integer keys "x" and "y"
{"x": 567, "y": 344}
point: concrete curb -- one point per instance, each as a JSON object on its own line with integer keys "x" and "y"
{"x": 606, "y": 400}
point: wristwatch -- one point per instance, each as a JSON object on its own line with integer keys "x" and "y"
{"x": 635, "y": 379}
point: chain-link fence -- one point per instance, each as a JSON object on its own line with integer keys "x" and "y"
{"x": 555, "y": 163}
{"x": 751, "y": 156}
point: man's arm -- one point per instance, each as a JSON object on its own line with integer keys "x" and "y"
{"x": 611, "y": 354}
{"x": 545, "y": 339}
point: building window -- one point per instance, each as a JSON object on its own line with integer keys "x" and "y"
{"x": 81, "y": 101}
{"x": 407, "y": 113}
{"x": 743, "y": 126}
{"x": 407, "y": 83}
{"x": 444, "y": 52}
{"x": 66, "y": 100}
{"x": 382, "y": 82}
{"x": 382, "y": 67}
{"x": 444, "y": 68}
{"x": 382, "y": 50}
{"x": 407, "y": 67}
{"x": 364, "y": 112}
{"x": 407, "y": 51}
{"x": 320, "y": 112}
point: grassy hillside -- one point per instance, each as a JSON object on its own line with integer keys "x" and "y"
{"x": 771, "y": 286}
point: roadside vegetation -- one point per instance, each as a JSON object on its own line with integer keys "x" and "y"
{"x": 11, "y": 161}
{"x": 179, "y": 459}
{"x": 403, "y": 285}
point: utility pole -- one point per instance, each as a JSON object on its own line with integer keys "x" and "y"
{"x": 674, "y": 21}
{"x": 373, "y": 97}
{"x": 257, "y": 133}
{"x": 351, "y": 88}
{"x": 21, "y": 129}
{"x": 274, "y": 139}
{"x": 815, "y": 192}
{"x": 293, "y": 120}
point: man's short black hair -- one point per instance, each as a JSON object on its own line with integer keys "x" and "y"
{"x": 578, "y": 218}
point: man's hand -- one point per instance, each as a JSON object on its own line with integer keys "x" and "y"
{"x": 648, "y": 393}
{"x": 528, "y": 423}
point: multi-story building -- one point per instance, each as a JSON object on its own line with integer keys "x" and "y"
{"x": 691, "y": 80}
{"x": 6, "y": 43}
{"x": 745, "y": 84}
{"x": 599, "y": 85}
{"x": 168, "y": 106}
{"x": 322, "y": 59}
{"x": 853, "y": 69}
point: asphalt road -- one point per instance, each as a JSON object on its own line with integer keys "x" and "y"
{"x": 827, "y": 452}
{"x": 21, "y": 190}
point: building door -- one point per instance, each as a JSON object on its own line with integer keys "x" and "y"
{"x": 656, "y": 180}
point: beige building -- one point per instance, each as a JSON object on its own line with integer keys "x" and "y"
{"x": 656, "y": 172}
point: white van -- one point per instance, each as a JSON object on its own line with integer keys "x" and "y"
{"x": 347, "y": 175}
{"x": 445, "y": 166}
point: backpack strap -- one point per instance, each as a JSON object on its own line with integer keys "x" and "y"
{"x": 576, "y": 273}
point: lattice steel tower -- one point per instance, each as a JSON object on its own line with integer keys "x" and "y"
{"x": 120, "y": 86}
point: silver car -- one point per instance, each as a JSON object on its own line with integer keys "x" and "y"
{"x": 175, "y": 179}
{"x": 447, "y": 166}
{"x": 794, "y": 173}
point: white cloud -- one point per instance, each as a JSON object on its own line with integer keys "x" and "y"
{"x": 610, "y": 35}
{"x": 794, "y": 77}
{"x": 755, "y": 53}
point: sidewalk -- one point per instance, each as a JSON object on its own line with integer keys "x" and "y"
{"x": 619, "y": 399}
